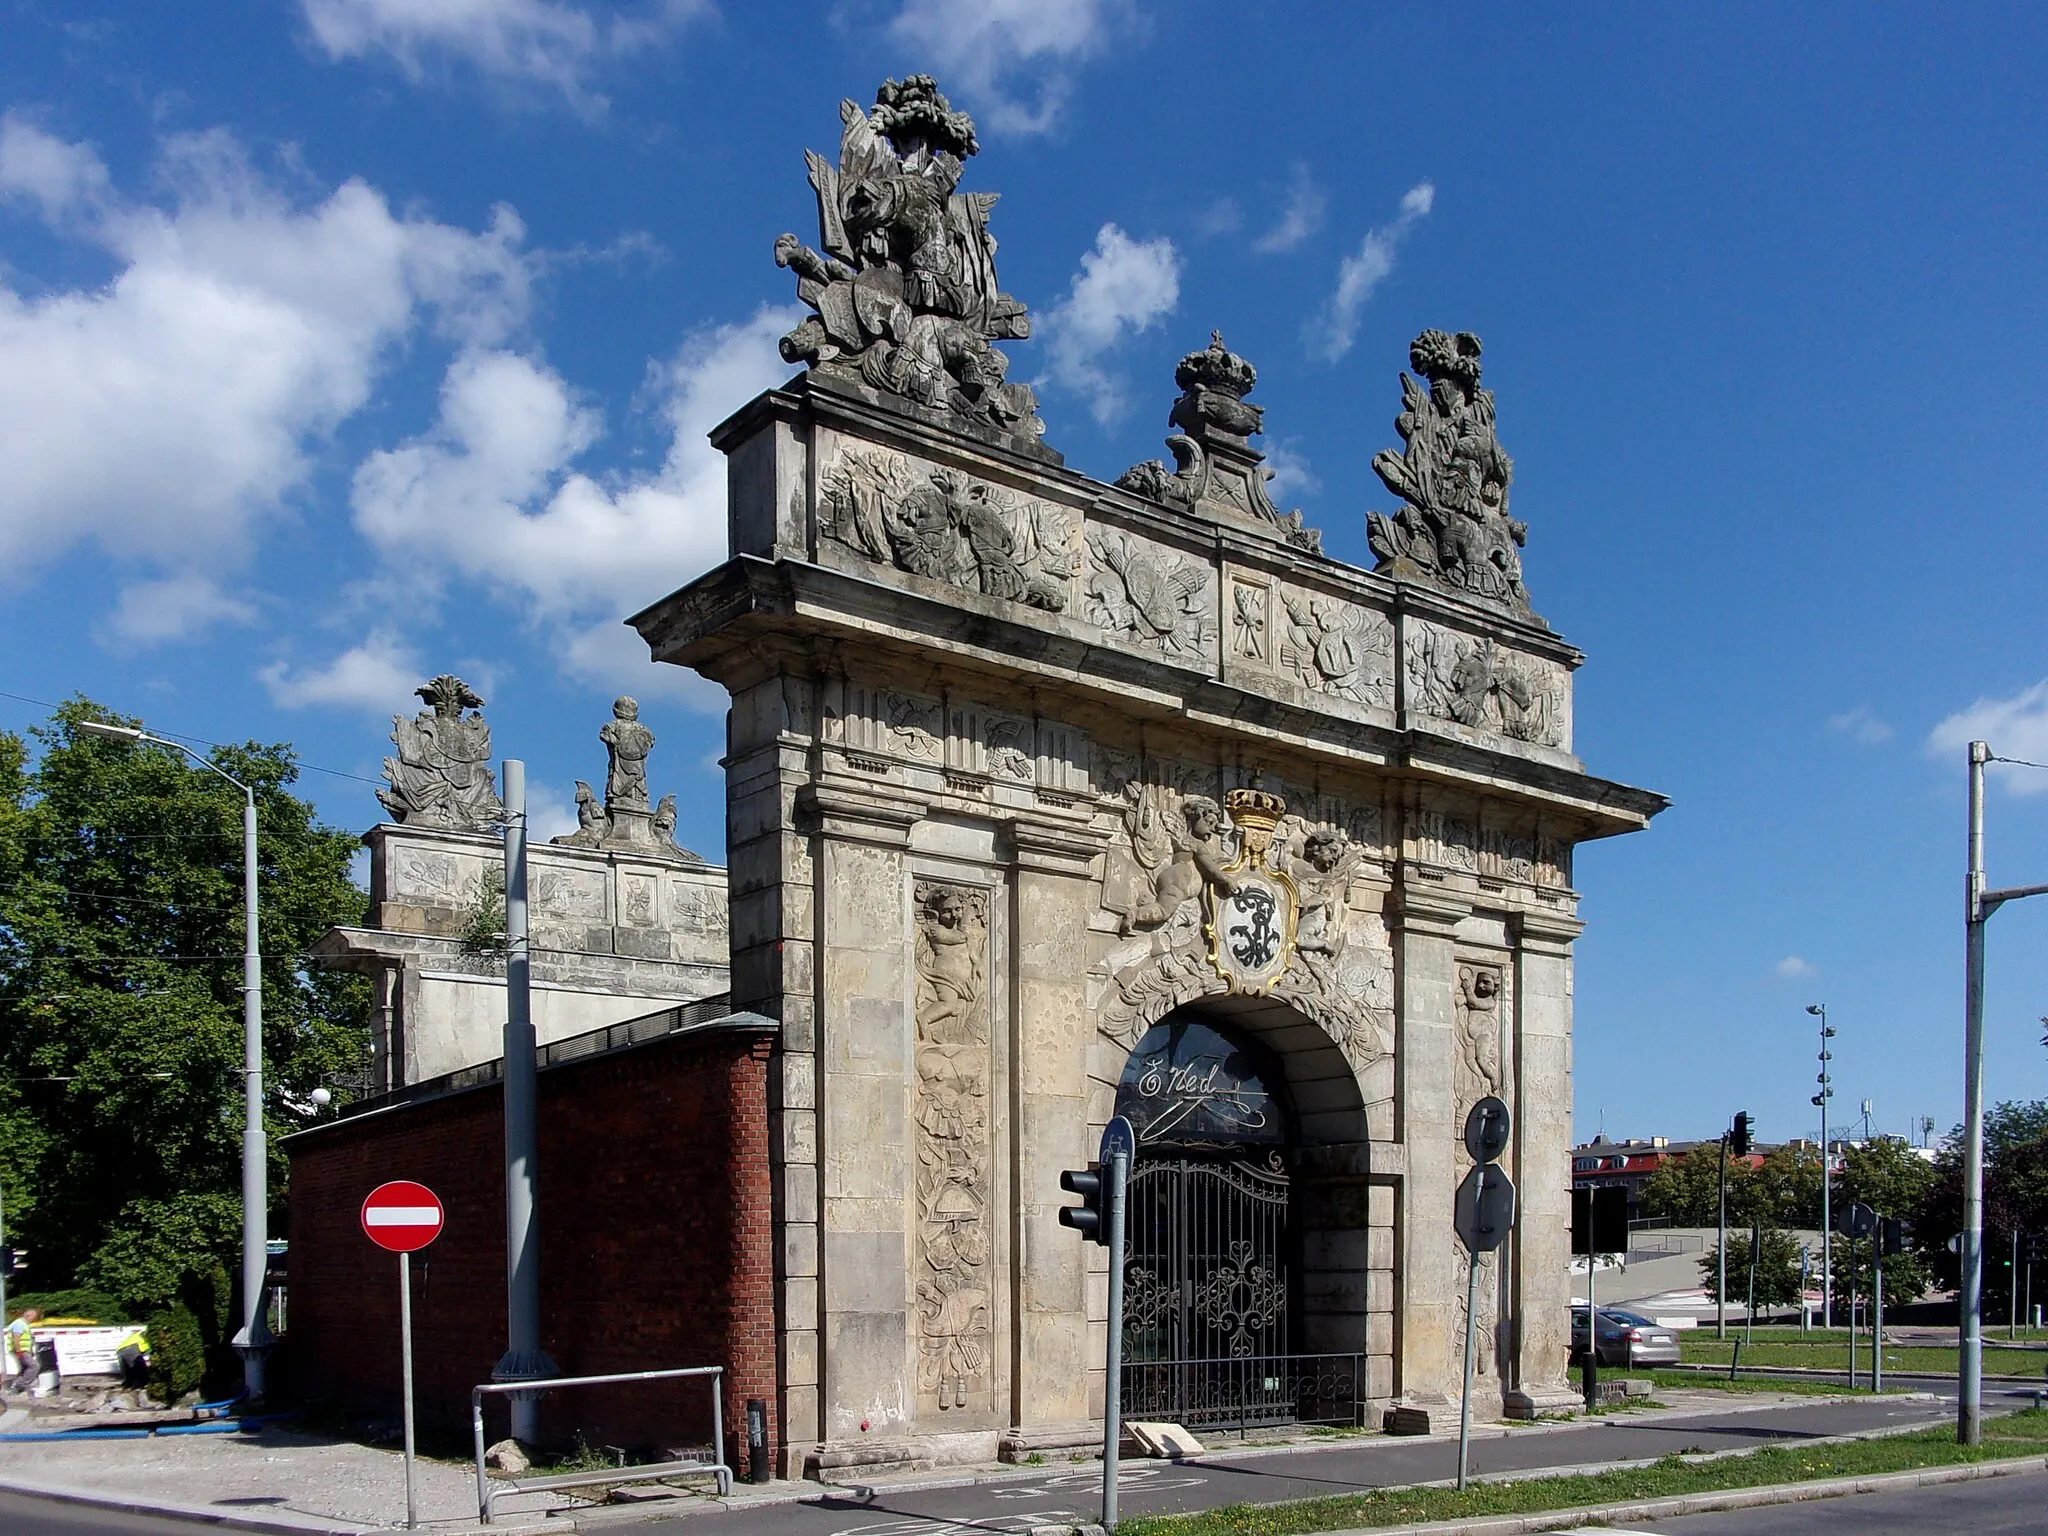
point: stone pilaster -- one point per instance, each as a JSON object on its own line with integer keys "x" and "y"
{"x": 864, "y": 1043}
{"x": 1542, "y": 1163}
{"x": 1049, "y": 1085}
{"x": 1424, "y": 931}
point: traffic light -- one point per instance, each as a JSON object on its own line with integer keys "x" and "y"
{"x": 1739, "y": 1137}
{"x": 13, "y": 1261}
{"x": 1085, "y": 1218}
{"x": 1891, "y": 1236}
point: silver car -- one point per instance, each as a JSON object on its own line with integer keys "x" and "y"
{"x": 1626, "y": 1339}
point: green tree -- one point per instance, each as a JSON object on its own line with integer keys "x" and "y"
{"x": 1686, "y": 1190}
{"x": 1777, "y": 1275}
{"x": 2015, "y": 1200}
{"x": 120, "y": 1007}
{"x": 1788, "y": 1188}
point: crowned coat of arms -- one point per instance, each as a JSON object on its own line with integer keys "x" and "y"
{"x": 1253, "y": 906}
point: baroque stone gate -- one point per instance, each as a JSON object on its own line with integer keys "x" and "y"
{"x": 1020, "y": 763}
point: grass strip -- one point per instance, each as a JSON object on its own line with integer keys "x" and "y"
{"x": 1791, "y": 1386}
{"x": 2019, "y": 1434}
{"x": 1835, "y": 1357}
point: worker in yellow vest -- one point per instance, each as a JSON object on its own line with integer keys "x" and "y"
{"x": 134, "y": 1357}
{"x": 21, "y": 1348}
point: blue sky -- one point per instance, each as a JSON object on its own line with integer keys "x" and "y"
{"x": 347, "y": 341}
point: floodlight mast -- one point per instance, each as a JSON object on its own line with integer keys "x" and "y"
{"x": 1827, "y": 1226}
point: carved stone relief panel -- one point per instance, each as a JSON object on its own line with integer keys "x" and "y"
{"x": 1478, "y": 1070}
{"x": 420, "y": 872}
{"x": 1487, "y": 687}
{"x": 1151, "y": 595}
{"x": 1507, "y": 854}
{"x": 949, "y": 527}
{"x": 873, "y": 723}
{"x": 1251, "y": 620}
{"x": 636, "y": 899}
{"x": 992, "y": 742}
{"x": 954, "y": 1286}
{"x": 1339, "y": 648}
{"x": 1443, "y": 840}
{"x": 568, "y": 893}
{"x": 698, "y": 909}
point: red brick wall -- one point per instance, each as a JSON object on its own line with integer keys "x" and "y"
{"x": 656, "y": 1246}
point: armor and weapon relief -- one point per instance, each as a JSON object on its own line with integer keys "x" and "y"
{"x": 953, "y": 1283}
{"x": 1240, "y": 897}
{"x": 944, "y": 525}
{"x": 1481, "y": 684}
{"x": 904, "y": 291}
{"x": 442, "y": 776}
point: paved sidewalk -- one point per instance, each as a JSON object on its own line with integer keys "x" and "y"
{"x": 285, "y": 1481}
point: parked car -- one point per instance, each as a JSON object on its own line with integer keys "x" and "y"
{"x": 1626, "y": 1338}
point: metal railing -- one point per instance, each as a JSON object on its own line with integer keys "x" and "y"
{"x": 1247, "y": 1391}
{"x": 488, "y": 1494}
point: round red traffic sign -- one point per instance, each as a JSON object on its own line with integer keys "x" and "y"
{"x": 402, "y": 1216}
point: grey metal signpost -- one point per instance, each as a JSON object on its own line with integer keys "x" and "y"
{"x": 1119, "y": 1146}
{"x": 1484, "y": 1215}
{"x": 403, "y": 1217}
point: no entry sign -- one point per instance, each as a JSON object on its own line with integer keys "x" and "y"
{"x": 402, "y": 1216}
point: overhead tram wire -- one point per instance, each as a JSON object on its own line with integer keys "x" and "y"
{"x": 335, "y": 773}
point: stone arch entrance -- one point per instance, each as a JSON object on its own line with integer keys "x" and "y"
{"x": 1247, "y": 1287}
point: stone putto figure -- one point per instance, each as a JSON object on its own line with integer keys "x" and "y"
{"x": 628, "y": 742}
{"x": 905, "y": 289}
{"x": 441, "y": 776}
{"x": 1452, "y": 477}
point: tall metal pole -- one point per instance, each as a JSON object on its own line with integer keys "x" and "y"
{"x": 1721, "y": 1251}
{"x": 254, "y": 1339}
{"x": 524, "y": 1359}
{"x": 1970, "y": 1294}
{"x": 1827, "y": 1222}
{"x": 412, "y": 1509}
{"x": 1112, "y": 1384}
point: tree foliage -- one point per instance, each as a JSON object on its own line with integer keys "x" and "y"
{"x": 1777, "y": 1273}
{"x": 120, "y": 1006}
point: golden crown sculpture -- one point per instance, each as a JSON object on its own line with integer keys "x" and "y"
{"x": 1255, "y": 812}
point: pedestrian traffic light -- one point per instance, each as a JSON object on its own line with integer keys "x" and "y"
{"x": 1085, "y": 1218}
{"x": 1739, "y": 1137}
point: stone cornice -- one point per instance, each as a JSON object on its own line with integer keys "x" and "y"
{"x": 1048, "y": 847}
{"x": 1423, "y": 902}
{"x": 857, "y": 816}
{"x": 1541, "y": 932}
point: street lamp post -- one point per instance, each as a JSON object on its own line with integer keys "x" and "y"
{"x": 253, "y": 1339}
{"x": 1827, "y": 1226}
{"x": 1978, "y": 905}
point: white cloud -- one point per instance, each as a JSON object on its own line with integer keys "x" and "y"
{"x": 980, "y": 46}
{"x": 549, "y": 42}
{"x": 1303, "y": 216}
{"x": 1123, "y": 285}
{"x": 1292, "y": 475}
{"x": 491, "y": 494}
{"x": 2014, "y": 727}
{"x": 150, "y": 612}
{"x": 379, "y": 675}
{"x": 1862, "y": 725}
{"x": 1329, "y": 334}
{"x": 549, "y": 812}
{"x": 166, "y": 413}
{"x": 1793, "y": 968}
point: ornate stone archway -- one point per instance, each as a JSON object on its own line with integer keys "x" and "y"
{"x": 1020, "y": 761}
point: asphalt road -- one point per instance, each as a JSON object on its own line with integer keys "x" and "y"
{"x": 1997, "y": 1506}
{"x": 1063, "y": 1493}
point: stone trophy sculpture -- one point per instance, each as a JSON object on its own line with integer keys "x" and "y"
{"x": 1453, "y": 477}
{"x": 441, "y": 776}
{"x": 624, "y": 821}
{"x": 905, "y": 290}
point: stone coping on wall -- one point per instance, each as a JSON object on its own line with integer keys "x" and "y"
{"x": 711, "y": 1015}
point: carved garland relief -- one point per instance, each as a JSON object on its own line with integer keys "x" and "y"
{"x": 953, "y": 1285}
